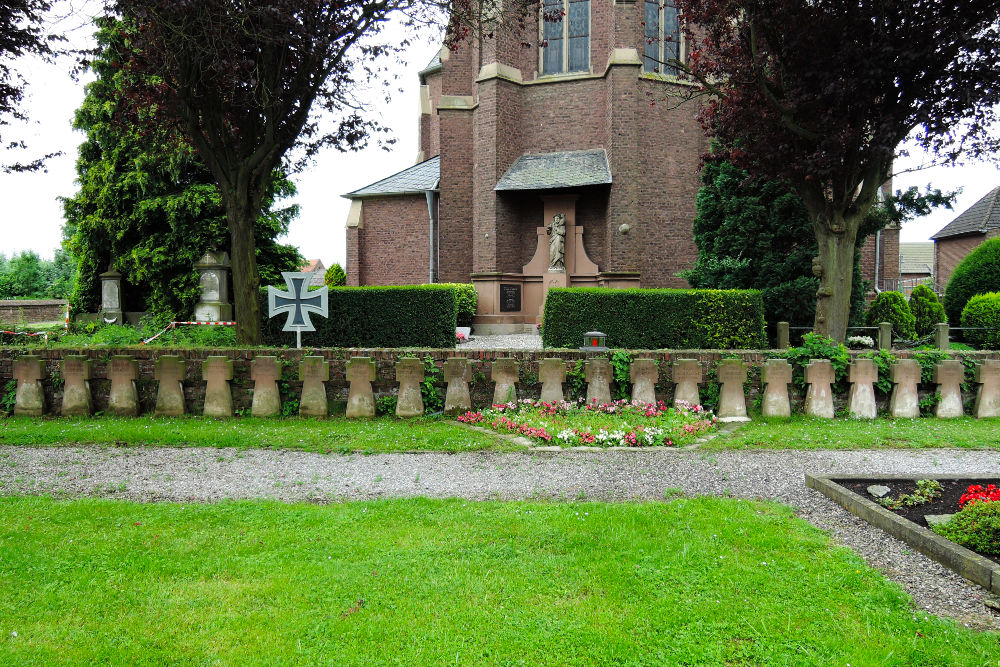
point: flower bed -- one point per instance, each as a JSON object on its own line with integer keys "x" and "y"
{"x": 617, "y": 424}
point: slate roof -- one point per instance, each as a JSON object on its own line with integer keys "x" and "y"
{"x": 916, "y": 257}
{"x": 417, "y": 179}
{"x": 433, "y": 66}
{"x": 567, "y": 169}
{"x": 981, "y": 217}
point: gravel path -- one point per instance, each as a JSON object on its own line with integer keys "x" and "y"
{"x": 212, "y": 474}
{"x": 503, "y": 342}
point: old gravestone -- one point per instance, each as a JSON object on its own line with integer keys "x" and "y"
{"x": 29, "y": 400}
{"x": 904, "y": 403}
{"x": 861, "y": 398}
{"x": 732, "y": 401}
{"x": 360, "y": 375}
{"x": 504, "y": 373}
{"x": 314, "y": 371}
{"x": 409, "y": 375}
{"x": 687, "y": 375}
{"x": 644, "y": 374}
{"x": 124, "y": 399}
{"x": 819, "y": 395}
{"x": 457, "y": 373}
{"x": 111, "y": 297}
{"x": 988, "y": 391}
{"x": 77, "y": 399}
{"x": 217, "y": 372}
{"x": 552, "y": 374}
{"x": 775, "y": 375}
{"x": 265, "y": 371}
{"x": 213, "y": 270}
{"x": 169, "y": 372}
{"x": 599, "y": 376}
{"x": 948, "y": 376}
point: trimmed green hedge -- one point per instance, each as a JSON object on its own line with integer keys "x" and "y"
{"x": 650, "y": 319}
{"x": 892, "y": 307}
{"x": 404, "y": 316}
{"x": 978, "y": 273}
{"x": 466, "y": 298}
{"x": 983, "y": 310}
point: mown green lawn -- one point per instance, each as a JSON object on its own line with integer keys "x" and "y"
{"x": 705, "y": 581}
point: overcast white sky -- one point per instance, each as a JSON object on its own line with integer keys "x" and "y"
{"x": 32, "y": 216}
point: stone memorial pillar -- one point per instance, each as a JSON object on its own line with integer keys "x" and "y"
{"x": 124, "y": 399}
{"x": 948, "y": 376}
{"x": 111, "y": 298}
{"x": 29, "y": 399}
{"x": 552, "y": 373}
{"x": 784, "y": 337}
{"x": 170, "y": 371}
{"x": 687, "y": 375}
{"x": 775, "y": 376}
{"x": 905, "y": 376}
{"x": 598, "y": 373}
{"x": 988, "y": 392}
{"x": 942, "y": 336}
{"x": 861, "y": 398}
{"x": 314, "y": 371}
{"x": 457, "y": 373}
{"x": 409, "y": 375}
{"x": 265, "y": 371}
{"x": 360, "y": 399}
{"x": 214, "y": 305}
{"x": 819, "y": 395}
{"x": 884, "y": 336}
{"x": 732, "y": 401}
{"x": 217, "y": 372}
{"x": 644, "y": 375}
{"x": 77, "y": 399}
{"x": 504, "y": 373}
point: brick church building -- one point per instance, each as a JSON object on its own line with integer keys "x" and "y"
{"x": 564, "y": 164}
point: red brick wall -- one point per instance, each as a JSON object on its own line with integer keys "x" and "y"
{"x": 28, "y": 311}
{"x": 393, "y": 246}
{"x": 948, "y": 252}
{"x": 353, "y": 269}
{"x": 456, "y": 196}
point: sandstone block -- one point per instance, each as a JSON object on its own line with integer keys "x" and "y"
{"x": 314, "y": 371}
{"x": 361, "y": 399}
{"x": 552, "y": 374}
{"x": 124, "y": 399}
{"x": 409, "y": 375}
{"x": 644, "y": 375}
{"x": 819, "y": 395}
{"x": 170, "y": 371}
{"x": 29, "y": 400}
{"x": 948, "y": 376}
{"x": 504, "y": 373}
{"x": 77, "y": 399}
{"x": 988, "y": 391}
{"x": 265, "y": 371}
{"x": 599, "y": 376}
{"x": 217, "y": 372}
{"x": 457, "y": 373}
{"x": 732, "y": 401}
{"x": 687, "y": 375}
{"x": 904, "y": 402}
{"x": 861, "y": 398}
{"x": 775, "y": 375}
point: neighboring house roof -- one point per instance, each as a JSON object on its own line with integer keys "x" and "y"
{"x": 417, "y": 179}
{"x": 916, "y": 257}
{"x": 567, "y": 169}
{"x": 981, "y": 217}
{"x": 313, "y": 265}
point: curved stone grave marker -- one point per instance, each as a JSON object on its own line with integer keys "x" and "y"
{"x": 988, "y": 391}
{"x": 819, "y": 395}
{"x": 457, "y": 373}
{"x": 314, "y": 371}
{"x": 77, "y": 399}
{"x": 948, "y": 376}
{"x": 124, "y": 399}
{"x": 504, "y": 373}
{"x": 170, "y": 371}
{"x": 598, "y": 373}
{"x": 217, "y": 371}
{"x": 29, "y": 399}
{"x": 552, "y": 373}
{"x": 861, "y": 398}
{"x": 360, "y": 399}
{"x": 687, "y": 375}
{"x": 409, "y": 375}
{"x": 775, "y": 375}
{"x": 732, "y": 401}
{"x": 904, "y": 403}
{"x": 265, "y": 371}
{"x": 644, "y": 374}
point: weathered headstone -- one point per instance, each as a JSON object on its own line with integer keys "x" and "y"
{"x": 77, "y": 400}
{"x": 732, "y": 401}
{"x": 214, "y": 306}
{"x": 948, "y": 376}
{"x": 552, "y": 373}
{"x": 942, "y": 336}
{"x": 861, "y": 397}
{"x": 504, "y": 373}
{"x": 885, "y": 335}
{"x": 687, "y": 375}
{"x": 819, "y": 395}
{"x": 644, "y": 375}
{"x": 29, "y": 400}
{"x": 124, "y": 398}
{"x": 111, "y": 297}
{"x": 360, "y": 399}
{"x": 170, "y": 371}
{"x": 265, "y": 371}
{"x": 988, "y": 392}
{"x": 314, "y": 371}
{"x": 409, "y": 375}
{"x": 783, "y": 336}
{"x": 598, "y": 373}
{"x": 775, "y": 375}
{"x": 217, "y": 371}
{"x": 904, "y": 403}
{"x": 457, "y": 373}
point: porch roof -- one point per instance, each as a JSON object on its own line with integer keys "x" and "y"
{"x": 565, "y": 169}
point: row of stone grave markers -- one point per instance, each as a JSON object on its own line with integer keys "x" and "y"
{"x": 314, "y": 371}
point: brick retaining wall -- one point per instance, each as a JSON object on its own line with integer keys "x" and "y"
{"x": 16, "y": 311}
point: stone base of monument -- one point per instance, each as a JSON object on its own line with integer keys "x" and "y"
{"x": 213, "y": 312}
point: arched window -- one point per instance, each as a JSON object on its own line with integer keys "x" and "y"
{"x": 565, "y": 36}
{"x": 662, "y": 37}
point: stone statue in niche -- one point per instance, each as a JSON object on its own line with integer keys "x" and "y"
{"x": 557, "y": 244}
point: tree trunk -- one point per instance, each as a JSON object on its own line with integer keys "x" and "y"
{"x": 242, "y": 215}
{"x": 834, "y": 266}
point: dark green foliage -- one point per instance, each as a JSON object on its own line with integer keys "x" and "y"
{"x": 656, "y": 318}
{"x": 884, "y": 359}
{"x": 983, "y": 311}
{"x": 431, "y": 391}
{"x": 815, "y": 346}
{"x": 978, "y": 273}
{"x": 927, "y": 490}
{"x": 398, "y": 316}
{"x": 621, "y": 363}
{"x": 335, "y": 276}
{"x": 467, "y": 299}
{"x": 892, "y": 307}
{"x": 976, "y": 527}
{"x": 27, "y": 276}
{"x": 926, "y": 309}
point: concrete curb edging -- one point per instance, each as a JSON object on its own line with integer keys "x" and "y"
{"x": 969, "y": 564}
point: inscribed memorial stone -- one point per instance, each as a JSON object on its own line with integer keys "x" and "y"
{"x": 504, "y": 373}
{"x": 948, "y": 376}
{"x": 124, "y": 399}
{"x": 457, "y": 373}
{"x": 988, "y": 391}
{"x": 77, "y": 400}
{"x": 360, "y": 399}
{"x": 265, "y": 371}
{"x": 552, "y": 374}
{"x": 861, "y": 398}
{"x": 819, "y": 395}
{"x": 904, "y": 403}
{"x": 314, "y": 371}
{"x": 170, "y": 371}
{"x": 29, "y": 399}
{"x": 732, "y": 401}
{"x": 217, "y": 371}
{"x": 644, "y": 374}
{"x": 775, "y": 375}
{"x": 687, "y": 376}
{"x": 598, "y": 372}
{"x": 409, "y": 375}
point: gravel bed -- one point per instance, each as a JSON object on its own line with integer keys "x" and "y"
{"x": 206, "y": 475}
{"x": 503, "y": 342}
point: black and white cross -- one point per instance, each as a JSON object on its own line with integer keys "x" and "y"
{"x": 298, "y": 302}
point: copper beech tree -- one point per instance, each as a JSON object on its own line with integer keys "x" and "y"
{"x": 246, "y": 81}
{"x": 821, "y": 94}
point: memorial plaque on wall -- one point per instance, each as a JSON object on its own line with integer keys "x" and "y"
{"x": 510, "y": 298}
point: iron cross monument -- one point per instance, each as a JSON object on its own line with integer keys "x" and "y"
{"x": 298, "y": 302}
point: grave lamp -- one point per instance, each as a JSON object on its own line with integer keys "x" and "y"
{"x": 594, "y": 341}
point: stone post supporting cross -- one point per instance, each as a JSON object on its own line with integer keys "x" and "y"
{"x": 409, "y": 375}
{"x": 861, "y": 398}
{"x": 775, "y": 375}
{"x": 457, "y": 373}
{"x": 552, "y": 373}
{"x": 988, "y": 392}
{"x": 360, "y": 399}
{"x": 598, "y": 373}
{"x": 504, "y": 373}
{"x": 819, "y": 395}
{"x": 29, "y": 371}
{"x": 314, "y": 371}
{"x": 265, "y": 371}
{"x": 687, "y": 375}
{"x": 948, "y": 376}
{"x": 732, "y": 401}
{"x": 644, "y": 374}
{"x": 124, "y": 399}
{"x": 170, "y": 371}
{"x": 217, "y": 372}
{"x": 77, "y": 399}
{"x": 904, "y": 403}
{"x": 942, "y": 336}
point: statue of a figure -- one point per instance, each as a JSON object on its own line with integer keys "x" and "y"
{"x": 557, "y": 244}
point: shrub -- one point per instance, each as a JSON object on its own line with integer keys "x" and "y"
{"x": 892, "y": 307}
{"x": 976, "y": 527}
{"x": 978, "y": 273}
{"x": 983, "y": 310}
{"x": 926, "y": 309}
{"x": 402, "y": 316}
{"x": 815, "y": 346}
{"x": 335, "y": 276}
{"x": 656, "y": 318}
{"x": 466, "y": 299}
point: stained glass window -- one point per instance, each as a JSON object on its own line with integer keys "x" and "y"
{"x": 565, "y": 36}
{"x": 661, "y": 37}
